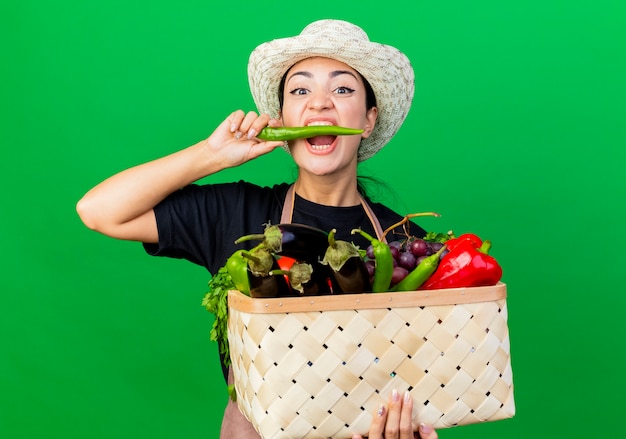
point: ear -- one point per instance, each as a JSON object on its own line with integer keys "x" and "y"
{"x": 371, "y": 116}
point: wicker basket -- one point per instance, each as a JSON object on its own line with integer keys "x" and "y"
{"x": 319, "y": 367}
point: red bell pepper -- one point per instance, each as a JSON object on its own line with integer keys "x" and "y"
{"x": 467, "y": 264}
{"x": 474, "y": 239}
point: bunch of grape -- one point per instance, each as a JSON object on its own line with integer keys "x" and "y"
{"x": 406, "y": 256}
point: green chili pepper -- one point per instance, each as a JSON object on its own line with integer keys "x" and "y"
{"x": 291, "y": 133}
{"x": 419, "y": 274}
{"x": 383, "y": 259}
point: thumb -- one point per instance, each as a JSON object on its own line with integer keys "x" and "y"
{"x": 261, "y": 148}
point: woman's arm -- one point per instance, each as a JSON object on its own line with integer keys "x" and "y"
{"x": 122, "y": 205}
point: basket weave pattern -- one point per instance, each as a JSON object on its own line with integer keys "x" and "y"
{"x": 322, "y": 373}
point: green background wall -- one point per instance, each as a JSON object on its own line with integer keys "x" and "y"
{"x": 517, "y": 133}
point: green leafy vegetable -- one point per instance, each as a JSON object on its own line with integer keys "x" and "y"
{"x": 216, "y": 302}
{"x": 437, "y": 237}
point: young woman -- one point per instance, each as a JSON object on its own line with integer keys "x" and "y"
{"x": 330, "y": 74}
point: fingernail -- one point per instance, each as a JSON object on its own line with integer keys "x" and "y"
{"x": 251, "y": 133}
{"x": 381, "y": 410}
{"x": 238, "y": 135}
{"x": 426, "y": 429}
{"x": 395, "y": 396}
{"x": 233, "y": 127}
{"x": 407, "y": 397}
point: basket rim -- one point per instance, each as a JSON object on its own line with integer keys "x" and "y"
{"x": 404, "y": 299}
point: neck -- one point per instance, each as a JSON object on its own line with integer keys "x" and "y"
{"x": 328, "y": 191}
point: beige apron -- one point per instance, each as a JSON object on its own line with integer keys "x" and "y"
{"x": 234, "y": 424}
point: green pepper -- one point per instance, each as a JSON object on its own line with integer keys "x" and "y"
{"x": 291, "y": 133}
{"x": 419, "y": 274}
{"x": 383, "y": 258}
{"x": 237, "y": 267}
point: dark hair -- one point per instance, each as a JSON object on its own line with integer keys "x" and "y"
{"x": 370, "y": 97}
{"x": 375, "y": 189}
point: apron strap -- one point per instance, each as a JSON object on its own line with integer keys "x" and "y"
{"x": 287, "y": 213}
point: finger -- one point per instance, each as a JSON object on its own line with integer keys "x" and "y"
{"x": 261, "y": 148}
{"x": 392, "y": 426}
{"x": 258, "y": 124}
{"x": 275, "y": 123}
{"x": 377, "y": 427}
{"x": 234, "y": 120}
{"x": 427, "y": 432}
{"x": 406, "y": 417}
{"x": 247, "y": 121}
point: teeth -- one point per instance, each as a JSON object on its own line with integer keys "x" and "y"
{"x": 319, "y": 123}
{"x": 320, "y": 147}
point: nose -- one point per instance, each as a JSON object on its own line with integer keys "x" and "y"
{"x": 320, "y": 100}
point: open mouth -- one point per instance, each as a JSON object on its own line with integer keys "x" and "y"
{"x": 320, "y": 143}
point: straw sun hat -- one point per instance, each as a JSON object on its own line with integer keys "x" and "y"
{"x": 388, "y": 71}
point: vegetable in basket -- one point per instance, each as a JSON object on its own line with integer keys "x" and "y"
{"x": 298, "y": 241}
{"x": 383, "y": 258}
{"x": 237, "y": 268}
{"x": 467, "y": 264}
{"x": 348, "y": 269}
{"x": 261, "y": 262}
{"x": 305, "y": 279}
{"x": 296, "y": 273}
{"x": 250, "y": 272}
{"x": 420, "y": 273}
{"x": 268, "y": 286}
{"x": 383, "y": 255}
{"x": 216, "y": 302}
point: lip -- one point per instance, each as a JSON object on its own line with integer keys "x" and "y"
{"x": 321, "y": 152}
{"x": 311, "y": 120}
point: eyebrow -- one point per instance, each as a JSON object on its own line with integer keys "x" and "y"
{"x": 332, "y": 74}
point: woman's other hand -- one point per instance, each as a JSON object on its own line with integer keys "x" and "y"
{"x": 234, "y": 141}
{"x": 394, "y": 421}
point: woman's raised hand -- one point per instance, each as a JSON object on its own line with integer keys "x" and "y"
{"x": 122, "y": 205}
{"x": 394, "y": 421}
{"x": 234, "y": 141}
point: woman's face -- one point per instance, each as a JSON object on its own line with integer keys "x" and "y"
{"x": 323, "y": 91}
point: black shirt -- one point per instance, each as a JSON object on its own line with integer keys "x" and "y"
{"x": 200, "y": 223}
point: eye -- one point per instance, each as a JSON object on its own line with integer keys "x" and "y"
{"x": 298, "y": 91}
{"x": 344, "y": 90}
